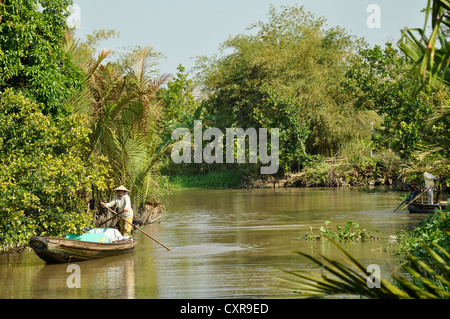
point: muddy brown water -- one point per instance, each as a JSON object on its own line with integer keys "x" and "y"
{"x": 224, "y": 244}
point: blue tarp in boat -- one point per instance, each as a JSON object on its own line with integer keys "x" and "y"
{"x": 98, "y": 235}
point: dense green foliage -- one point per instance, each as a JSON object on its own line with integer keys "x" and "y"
{"x": 433, "y": 229}
{"x": 93, "y": 117}
{"x": 277, "y": 111}
{"x": 330, "y": 94}
{"x": 379, "y": 81}
{"x": 326, "y": 91}
{"x": 287, "y": 74}
{"x": 178, "y": 98}
{"x": 429, "y": 240}
{"x": 46, "y": 173}
{"x": 32, "y": 59}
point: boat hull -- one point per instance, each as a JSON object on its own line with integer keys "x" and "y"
{"x": 60, "y": 250}
{"x": 419, "y": 208}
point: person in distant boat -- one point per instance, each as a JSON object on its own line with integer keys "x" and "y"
{"x": 429, "y": 184}
{"x": 123, "y": 204}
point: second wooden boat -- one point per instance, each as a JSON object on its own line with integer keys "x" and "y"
{"x": 424, "y": 208}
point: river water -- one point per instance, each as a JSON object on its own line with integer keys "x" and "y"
{"x": 224, "y": 244}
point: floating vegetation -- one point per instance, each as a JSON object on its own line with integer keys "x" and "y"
{"x": 350, "y": 232}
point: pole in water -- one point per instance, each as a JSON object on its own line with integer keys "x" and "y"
{"x": 407, "y": 198}
{"x": 414, "y": 199}
{"x": 136, "y": 227}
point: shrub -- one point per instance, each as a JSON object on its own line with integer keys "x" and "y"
{"x": 45, "y": 172}
{"x": 434, "y": 229}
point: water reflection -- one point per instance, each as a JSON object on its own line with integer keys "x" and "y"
{"x": 225, "y": 244}
{"x": 107, "y": 278}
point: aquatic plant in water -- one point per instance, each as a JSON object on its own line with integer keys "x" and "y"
{"x": 349, "y": 232}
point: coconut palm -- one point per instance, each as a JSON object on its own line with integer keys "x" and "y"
{"x": 136, "y": 138}
{"x": 127, "y": 118}
{"x": 430, "y": 57}
{"x": 82, "y": 57}
{"x": 430, "y": 54}
{"x": 120, "y": 99}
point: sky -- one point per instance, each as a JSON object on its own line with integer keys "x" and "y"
{"x": 184, "y": 29}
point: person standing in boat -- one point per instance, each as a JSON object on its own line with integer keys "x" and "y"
{"x": 123, "y": 204}
{"x": 429, "y": 184}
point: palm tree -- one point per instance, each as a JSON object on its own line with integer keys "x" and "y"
{"x": 430, "y": 57}
{"x": 127, "y": 120}
{"x": 137, "y": 142}
{"x": 120, "y": 100}
{"x": 430, "y": 54}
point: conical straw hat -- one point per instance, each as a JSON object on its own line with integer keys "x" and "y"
{"x": 121, "y": 188}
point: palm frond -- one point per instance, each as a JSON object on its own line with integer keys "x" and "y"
{"x": 430, "y": 61}
{"x": 345, "y": 279}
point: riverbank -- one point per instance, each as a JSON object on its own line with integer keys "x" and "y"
{"x": 333, "y": 174}
{"x": 304, "y": 180}
{"x": 316, "y": 177}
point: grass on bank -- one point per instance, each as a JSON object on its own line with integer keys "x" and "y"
{"x": 211, "y": 180}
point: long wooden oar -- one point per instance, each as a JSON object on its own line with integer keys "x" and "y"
{"x": 414, "y": 199}
{"x": 137, "y": 227}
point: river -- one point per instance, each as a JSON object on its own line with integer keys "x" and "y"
{"x": 224, "y": 244}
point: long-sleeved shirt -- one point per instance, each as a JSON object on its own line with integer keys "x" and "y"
{"x": 429, "y": 179}
{"x": 122, "y": 202}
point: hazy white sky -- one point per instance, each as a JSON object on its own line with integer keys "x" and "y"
{"x": 184, "y": 29}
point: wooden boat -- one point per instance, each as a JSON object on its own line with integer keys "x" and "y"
{"x": 61, "y": 250}
{"x": 425, "y": 208}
